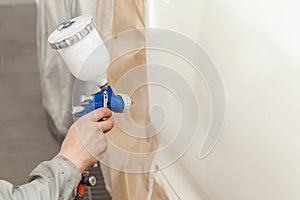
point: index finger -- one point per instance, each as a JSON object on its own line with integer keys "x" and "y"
{"x": 99, "y": 114}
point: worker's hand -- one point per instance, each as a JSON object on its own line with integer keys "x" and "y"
{"x": 85, "y": 142}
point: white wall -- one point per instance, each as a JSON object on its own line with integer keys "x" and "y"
{"x": 255, "y": 46}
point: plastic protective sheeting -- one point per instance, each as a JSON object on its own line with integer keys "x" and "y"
{"x": 111, "y": 18}
{"x": 56, "y": 81}
{"x": 125, "y": 185}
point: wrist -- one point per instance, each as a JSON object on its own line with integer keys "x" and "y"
{"x": 77, "y": 162}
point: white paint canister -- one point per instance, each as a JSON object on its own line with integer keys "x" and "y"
{"x": 82, "y": 49}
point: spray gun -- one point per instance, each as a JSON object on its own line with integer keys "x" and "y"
{"x": 87, "y": 58}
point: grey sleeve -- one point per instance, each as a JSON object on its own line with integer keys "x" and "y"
{"x": 51, "y": 180}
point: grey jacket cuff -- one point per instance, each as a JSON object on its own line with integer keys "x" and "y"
{"x": 56, "y": 179}
{"x": 63, "y": 175}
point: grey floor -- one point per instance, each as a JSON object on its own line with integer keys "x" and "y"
{"x": 25, "y": 140}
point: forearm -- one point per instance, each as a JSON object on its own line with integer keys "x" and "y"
{"x": 54, "y": 180}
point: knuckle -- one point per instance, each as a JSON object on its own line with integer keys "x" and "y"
{"x": 102, "y": 138}
{"x": 110, "y": 122}
{"x": 100, "y": 127}
{"x": 98, "y": 114}
{"x": 103, "y": 148}
{"x": 104, "y": 143}
{"x": 104, "y": 111}
{"x": 106, "y": 125}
